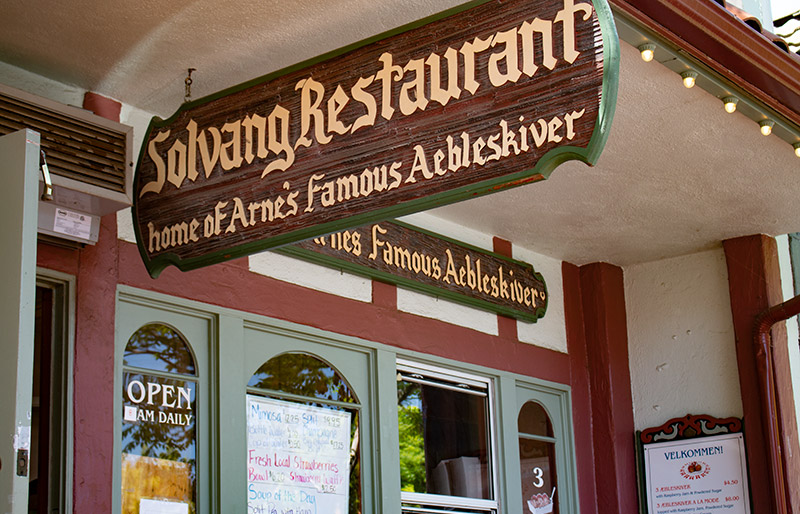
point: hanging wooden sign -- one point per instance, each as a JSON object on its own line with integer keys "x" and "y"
{"x": 489, "y": 95}
{"x": 416, "y": 259}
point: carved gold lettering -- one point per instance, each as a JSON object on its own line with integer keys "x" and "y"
{"x": 231, "y": 151}
{"x": 491, "y": 142}
{"x": 336, "y": 103}
{"x": 347, "y": 187}
{"x": 552, "y": 128}
{"x": 438, "y": 157}
{"x": 570, "y": 119}
{"x": 477, "y": 148}
{"x": 176, "y": 164}
{"x": 310, "y": 110}
{"x": 539, "y": 137}
{"x": 412, "y": 93}
{"x": 450, "y": 268}
{"x": 523, "y": 136}
{"x": 420, "y": 164}
{"x": 567, "y": 18}
{"x": 508, "y": 56}
{"x": 509, "y": 140}
{"x": 237, "y": 215}
{"x": 452, "y": 91}
{"x": 260, "y": 124}
{"x": 218, "y": 217}
{"x": 365, "y": 99}
{"x": 545, "y": 29}
{"x": 376, "y": 241}
{"x": 512, "y": 52}
{"x": 161, "y": 173}
{"x": 386, "y": 75}
{"x": 469, "y": 51}
{"x": 281, "y": 144}
{"x": 199, "y": 141}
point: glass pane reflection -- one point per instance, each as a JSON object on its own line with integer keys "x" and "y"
{"x": 533, "y": 420}
{"x": 160, "y": 348}
{"x": 537, "y": 460}
{"x": 444, "y": 441}
{"x": 158, "y": 441}
{"x": 302, "y": 374}
{"x": 538, "y": 469}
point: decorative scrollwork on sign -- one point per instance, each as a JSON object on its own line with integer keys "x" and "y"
{"x": 691, "y": 426}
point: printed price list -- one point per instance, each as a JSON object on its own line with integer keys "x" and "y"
{"x": 298, "y": 458}
{"x": 697, "y": 475}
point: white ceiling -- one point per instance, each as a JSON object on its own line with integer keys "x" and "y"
{"x": 678, "y": 174}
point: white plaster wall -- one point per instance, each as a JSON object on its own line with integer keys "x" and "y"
{"x": 40, "y": 86}
{"x": 312, "y": 276}
{"x": 787, "y": 283}
{"x": 139, "y": 120}
{"x": 680, "y": 339}
{"x": 550, "y": 331}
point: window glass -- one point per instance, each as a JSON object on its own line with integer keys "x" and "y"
{"x": 300, "y": 373}
{"x": 537, "y": 460}
{"x": 303, "y": 438}
{"x": 159, "y": 442}
{"x": 533, "y": 420}
{"x": 160, "y": 348}
{"x": 445, "y": 440}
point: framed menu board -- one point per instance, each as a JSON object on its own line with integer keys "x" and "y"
{"x": 695, "y": 473}
{"x": 298, "y": 457}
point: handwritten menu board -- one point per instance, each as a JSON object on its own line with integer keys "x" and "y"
{"x": 707, "y": 475}
{"x": 298, "y": 458}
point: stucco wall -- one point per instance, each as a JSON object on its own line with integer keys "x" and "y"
{"x": 680, "y": 339}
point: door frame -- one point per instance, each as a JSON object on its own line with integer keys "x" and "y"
{"x": 63, "y": 287}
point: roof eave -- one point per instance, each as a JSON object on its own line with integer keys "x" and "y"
{"x": 725, "y": 44}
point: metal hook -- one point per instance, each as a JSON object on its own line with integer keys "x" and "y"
{"x": 188, "y": 81}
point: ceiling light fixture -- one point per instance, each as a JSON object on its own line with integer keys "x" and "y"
{"x": 648, "y": 51}
{"x": 766, "y": 126}
{"x": 730, "y": 103}
{"x": 689, "y": 78}
{"x": 796, "y": 147}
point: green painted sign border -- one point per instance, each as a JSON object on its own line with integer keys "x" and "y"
{"x": 542, "y": 170}
{"x": 382, "y": 276}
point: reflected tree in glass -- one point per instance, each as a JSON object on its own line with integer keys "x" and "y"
{"x": 159, "y": 419}
{"x": 308, "y": 376}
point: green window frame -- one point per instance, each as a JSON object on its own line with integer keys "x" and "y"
{"x": 158, "y": 391}
{"x": 231, "y": 346}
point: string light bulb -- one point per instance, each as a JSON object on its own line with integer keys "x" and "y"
{"x": 766, "y": 126}
{"x": 648, "y": 51}
{"x": 689, "y": 78}
{"x": 730, "y": 103}
{"x": 796, "y": 147}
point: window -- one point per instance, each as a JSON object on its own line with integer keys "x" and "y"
{"x": 446, "y": 441}
{"x": 537, "y": 457}
{"x": 159, "y": 419}
{"x": 303, "y": 449}
{"x": 278, "y": 417}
